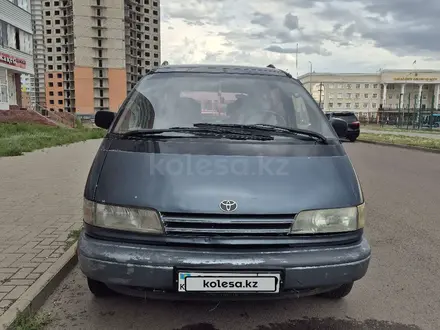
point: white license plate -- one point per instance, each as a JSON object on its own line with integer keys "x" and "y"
{"x": 229, "y": 282}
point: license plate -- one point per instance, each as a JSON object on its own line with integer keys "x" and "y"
{"x": 229, "y": 282}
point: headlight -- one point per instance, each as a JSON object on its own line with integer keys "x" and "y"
{"x": 329, "y": 220}
{"x": 122, "y": 218}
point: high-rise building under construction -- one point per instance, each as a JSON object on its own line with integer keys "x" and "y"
{"x": 89, "y": 54}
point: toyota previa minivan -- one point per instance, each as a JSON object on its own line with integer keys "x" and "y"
{"x": 222, "y": 182}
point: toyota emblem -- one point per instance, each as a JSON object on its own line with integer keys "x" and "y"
{"x": 228, "y": 206}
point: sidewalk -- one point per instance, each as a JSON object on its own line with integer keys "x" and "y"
{"x": 424, "y": 135}
{"x": 40, "y": 203}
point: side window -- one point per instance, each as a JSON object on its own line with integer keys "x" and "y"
{"x": 301, "y": 113}
{"x": 138, "y": 113}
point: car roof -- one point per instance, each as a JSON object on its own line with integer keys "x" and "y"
{"x": 342, "y": 113}
{"x": 214, "y": 68}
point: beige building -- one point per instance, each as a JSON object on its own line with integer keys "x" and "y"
{"x": 89, "y": 54}
{"x": 15, "y": 51}
{"x": 365, "y": 92}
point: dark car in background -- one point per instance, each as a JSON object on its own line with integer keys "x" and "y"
{"x": 352, "y": 121}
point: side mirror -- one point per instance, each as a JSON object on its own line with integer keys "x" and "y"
{"x": 104, "y": 119}
{"x": 340, "y": 126}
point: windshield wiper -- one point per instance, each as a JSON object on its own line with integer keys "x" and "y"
{"x": 211, "y": 132}
{"x": 280, "y": 130}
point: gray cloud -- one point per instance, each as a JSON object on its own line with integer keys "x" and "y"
{"x": 291, "y": 22}
{"x": 308, "y": 50}
{"x": 400, "y": 26}
{"x": 403, "y": 27}
{"x": 262, "y": 19}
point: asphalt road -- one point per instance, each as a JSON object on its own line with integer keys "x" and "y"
{"x": 401, "y": 289}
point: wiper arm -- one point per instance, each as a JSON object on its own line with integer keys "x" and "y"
{"x": 267, "y": 128}
{"x": 306, "y": 132}
{"x": 199, "y": 132}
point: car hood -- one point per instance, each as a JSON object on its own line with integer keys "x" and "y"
{"x": 198, "y": 183}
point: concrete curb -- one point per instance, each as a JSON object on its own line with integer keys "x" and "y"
{"x": 36, "y": 295}
{"x": 401, "y": 146}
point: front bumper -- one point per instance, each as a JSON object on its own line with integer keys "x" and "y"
{"x": 150, "y": 268}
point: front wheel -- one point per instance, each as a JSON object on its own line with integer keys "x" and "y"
{"x": 338, "y": 293}
{"x": 98, "y": 289}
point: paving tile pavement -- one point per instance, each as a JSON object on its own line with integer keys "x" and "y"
{"x": 40, "y": 204}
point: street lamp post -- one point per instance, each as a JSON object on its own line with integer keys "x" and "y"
{"x": 310, "y": 78}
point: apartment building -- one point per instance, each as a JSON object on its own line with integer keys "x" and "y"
{"x": 15, "y": 50}
{"x": 93, "y": 53}
{"x": 365, "y": 92}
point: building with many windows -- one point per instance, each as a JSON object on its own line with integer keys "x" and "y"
{"x": 365, "y": 92}
{"x": 15, "y": 50}
{"x": 89, "y": 55}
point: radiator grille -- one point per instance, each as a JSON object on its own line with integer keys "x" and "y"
{"x": 218, "y": 225}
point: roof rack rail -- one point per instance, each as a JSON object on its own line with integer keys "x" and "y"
{"x": 286, "y": 73}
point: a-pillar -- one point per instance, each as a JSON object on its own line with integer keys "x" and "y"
{"x": 384, "y": 97}
{"x": 436, "y": 96}
{"x": 402, "y": 96}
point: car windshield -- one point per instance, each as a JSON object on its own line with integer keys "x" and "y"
{"x": 166, "y": 100}
{"x": 348, "y": 117}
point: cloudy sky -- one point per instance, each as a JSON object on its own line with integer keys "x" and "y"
{"x": 336, "y": 36}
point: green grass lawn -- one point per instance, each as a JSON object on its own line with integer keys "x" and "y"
{"x": 390, "y": 128}
{"x": 15, "y": 139}
{"x": 402, "y": 140}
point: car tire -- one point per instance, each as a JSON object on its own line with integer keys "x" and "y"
{"x": 352, "y": 139}
{"x": 338, "y": 293}
{"x": 98, "y": 289}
